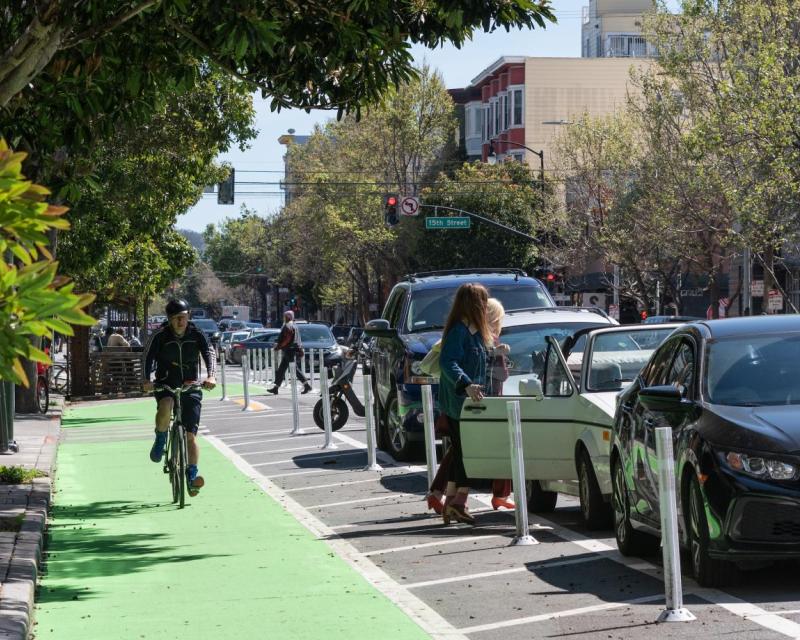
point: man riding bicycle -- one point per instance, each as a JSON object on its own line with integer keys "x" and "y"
{"x": 175, "y": 350}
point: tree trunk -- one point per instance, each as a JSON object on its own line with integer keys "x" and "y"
{"x": 25, "y": 398}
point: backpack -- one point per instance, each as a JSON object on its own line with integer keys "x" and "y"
{"x": 430, "y": 363}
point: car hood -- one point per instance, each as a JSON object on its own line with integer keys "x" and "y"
{"x": 774, "y": 429}
{"x": 606, "y": 401}
{"x": 420, "y": 343}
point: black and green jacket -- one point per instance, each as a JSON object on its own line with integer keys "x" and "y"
{"x": 177, "y": 360}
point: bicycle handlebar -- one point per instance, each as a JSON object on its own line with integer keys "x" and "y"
{"x": 182, "y": 389}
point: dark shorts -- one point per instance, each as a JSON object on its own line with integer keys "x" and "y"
{"x": 191, "y": 404}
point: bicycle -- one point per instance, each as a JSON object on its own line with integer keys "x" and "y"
{"x": 176, "y": 459}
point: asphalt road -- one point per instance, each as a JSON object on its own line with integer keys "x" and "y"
{"x": 459, "y": 581}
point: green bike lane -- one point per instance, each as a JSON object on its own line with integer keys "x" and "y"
{"x": 124, "y": 562}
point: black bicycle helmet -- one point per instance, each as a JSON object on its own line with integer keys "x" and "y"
{"x": 175, "y": 307}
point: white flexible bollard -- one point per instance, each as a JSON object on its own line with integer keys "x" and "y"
{"x": 296, "y": 430}
{"x": 250, "y": 361}
{"x": 523, "y": 536}
{"x": 263, "y": 355}
{"x": 224, "y": 397}
{"x": 674, "y": 611}
{"x": 326, "y": 410}
{"x": 430, "y": 435}
{"x": 271, "y": 365}
{"x": 372, "y": 454}
{"x": 257, "y": 368}
{"x": 245, "y": 384}
{"x": 311, "y": 366}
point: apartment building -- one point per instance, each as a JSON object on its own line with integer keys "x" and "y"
{"x": 613, "y": 29}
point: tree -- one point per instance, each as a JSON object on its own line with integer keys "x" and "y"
{"x": 342, "y": 176}
{"x": 33, "y": 300}
{"x": 735, "y": 66}
{"x": 315, "y": 54}
{"x": 158, "y": 172}
{"x": 504, "y": 193}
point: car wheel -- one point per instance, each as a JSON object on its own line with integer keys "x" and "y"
{"x": 539, "y": 500}
{"x": 708, "y": 571}
{"x": 630, "y": 542}
{"x": 397, "y": 439}
{"x": 596, "y": 512}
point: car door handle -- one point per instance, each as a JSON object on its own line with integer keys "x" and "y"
{"x": 476, "y": 407}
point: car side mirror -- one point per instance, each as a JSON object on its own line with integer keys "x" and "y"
{"x": 664, "y": 398}
{"x": 379, "y": 328}
{"x": 532, "y": 388}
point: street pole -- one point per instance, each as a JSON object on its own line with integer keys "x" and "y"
{"x": 747, "y": 273}
{"x": 615, "y": 293}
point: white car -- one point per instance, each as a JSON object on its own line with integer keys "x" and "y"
{"x": 567, "y": 402}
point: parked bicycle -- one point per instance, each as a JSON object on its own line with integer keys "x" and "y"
{"x": 175, "y": 461}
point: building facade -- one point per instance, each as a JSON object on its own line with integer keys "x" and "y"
{"x": 288, "y": 183}
{"x": 613, "y": 29}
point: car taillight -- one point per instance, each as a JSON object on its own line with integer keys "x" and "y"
{"x": 238, "y": 345}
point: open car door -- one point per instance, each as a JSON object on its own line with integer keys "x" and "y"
{"x": 548, "y": 404}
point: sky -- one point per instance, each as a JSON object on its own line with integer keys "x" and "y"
{"x": 263, "y": 161}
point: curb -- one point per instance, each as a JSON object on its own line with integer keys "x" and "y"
{"x": 21, "y": 572}
{"x": 22, "y": 551}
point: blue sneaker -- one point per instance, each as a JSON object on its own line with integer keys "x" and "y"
{"x": 157, "y": 451}
{"x": 194, "y": 481}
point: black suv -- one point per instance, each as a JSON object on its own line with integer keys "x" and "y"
{"x": 412, "y": 321}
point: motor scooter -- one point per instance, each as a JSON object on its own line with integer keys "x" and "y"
{"x": 339, "y": 389}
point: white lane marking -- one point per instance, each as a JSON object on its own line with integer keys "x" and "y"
{"x": 292, "y": 473}
{"x": 375, "y": 499}
{"x": 501, "y": 572}
{"x": 557, "y": 614}
{"x": 315, "y": 447}
{"x": 269, "y": 432}
{"x": 423, "y": 545}
{"x": 737, "y": 606}
{"x": 242, "y": 444}
{"x": 259, "y": 414}
{"x": 426, "y": 617}
{"x": 343, "y": 526}
{"x": 384, "y": 458}
{"x": 334, "y": 484}
{"x": 329, "y": 456}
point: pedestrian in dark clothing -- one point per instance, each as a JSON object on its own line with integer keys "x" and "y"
{"x": 290, "y": 344}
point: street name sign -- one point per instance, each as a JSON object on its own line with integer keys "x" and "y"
{"x": 447, "y": 222}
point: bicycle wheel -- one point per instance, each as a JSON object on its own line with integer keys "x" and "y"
{"x": 42, "y": 394}
{"x": 58, "y": 378}
{"x": 173, "y": 464}
{"x": 181, "y": 470}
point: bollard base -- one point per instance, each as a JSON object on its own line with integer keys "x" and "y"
{"x": 373, "y": 467}
{"x": 296, "y": 432}
{"x": 676, "y": 615}
{"x": 248, "y": 408}
{"x": 329, "y": 446}
{"x": 224, "y": 399}
{"x": 523, "y": 541}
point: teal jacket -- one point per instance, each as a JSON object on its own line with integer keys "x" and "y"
{"x": 462, "y": 362}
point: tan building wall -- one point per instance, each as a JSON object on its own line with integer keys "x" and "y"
{"x": 562, "y": 89}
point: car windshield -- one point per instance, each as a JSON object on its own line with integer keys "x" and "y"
{"x": 315, "y": 333}
{"x": 205, "y": 325}
{"x": 754, "y": 370}
{"x": 529, "y": 343}
{"x": 429, "y": 308}
{"x": 618, "y": 357}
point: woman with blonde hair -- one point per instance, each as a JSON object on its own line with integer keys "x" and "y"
{"x": 463, "y": 361}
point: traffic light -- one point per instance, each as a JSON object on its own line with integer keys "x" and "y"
{"x": 390, "y": 210}
{"x": 643, "y": 314}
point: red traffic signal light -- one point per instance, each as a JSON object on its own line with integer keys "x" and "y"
{"x": 390, "y": 214}
{"x": 550, "y": 277}
{"x": 644, "y": 315}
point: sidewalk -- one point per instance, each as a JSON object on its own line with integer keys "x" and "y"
{"x": 124, "y": 562}
{"x": 23, "y": 513}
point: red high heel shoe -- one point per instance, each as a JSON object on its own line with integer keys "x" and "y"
{"x": 435, "y": 504}
{"x": 502, "y": 502}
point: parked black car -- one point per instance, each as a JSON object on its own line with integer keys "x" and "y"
{"x": 209, "y": 328}
{"x": 412, "y": 321}
{"x": 729, "y": 390}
